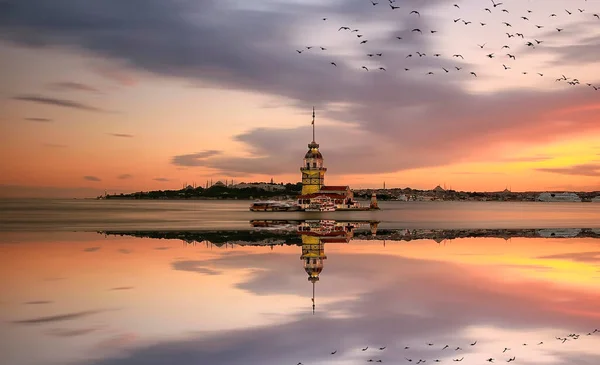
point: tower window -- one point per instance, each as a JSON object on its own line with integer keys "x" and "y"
{"x": 308, "y": 164}
{"x": 314, "y": 164}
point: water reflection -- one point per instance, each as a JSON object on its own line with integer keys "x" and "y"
{"x": 242, "y": 297}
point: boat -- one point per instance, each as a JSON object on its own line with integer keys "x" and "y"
{"x": 273, "y": 206}
{"x": 321, "y": 205}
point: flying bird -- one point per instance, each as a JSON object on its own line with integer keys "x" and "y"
{"x": 482, "y": 45}
{"x": 474, "y": 74}
{"x": 417, "y": 30}
{"x": 456, "y": 5}
{"x": 365, "y": 67}
{"x": 333, "y": 63}
{"x": 345, "y": 28}
{"x": 458, "y": 55}
{"x": 363, "y": 42}
{"x": 394, "y": 7}
{"x": 496, "y": 4}
{"x": 415, "y": 12}
{"x": 382, "y": 69}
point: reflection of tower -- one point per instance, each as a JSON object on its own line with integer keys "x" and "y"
{"x": 373, "y": 226}
{"x": 313, "y": 254}
{"x": 313, "y": 172}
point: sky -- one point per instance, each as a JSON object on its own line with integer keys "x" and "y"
{"x": 151, "y": 94}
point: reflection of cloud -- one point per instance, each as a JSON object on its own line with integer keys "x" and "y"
{"x": 194, "y": 266}
{"x": 59, "y": 317}
{"x": 398, "y": 302}
{"x": 117, "y": 342}
{"x": 587, "y": 257}
{"x": 63, "y": 332}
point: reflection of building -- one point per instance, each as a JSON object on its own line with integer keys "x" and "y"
{"x": 314, "y": 235}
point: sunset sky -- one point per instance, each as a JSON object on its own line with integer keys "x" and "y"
{"x": 151, "y": 94}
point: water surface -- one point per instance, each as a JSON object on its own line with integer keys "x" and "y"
{"x": 245, "y": 296}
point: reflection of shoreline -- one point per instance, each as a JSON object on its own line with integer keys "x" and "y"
{"x": 266, "y": 232}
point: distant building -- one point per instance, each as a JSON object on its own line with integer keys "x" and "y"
{"x": 596, "y": 199}
{"x": 559, "y": 197}
{"x": 262, "y": 186}
{"x": 439, "y": 189}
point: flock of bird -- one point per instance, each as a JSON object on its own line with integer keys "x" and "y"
{"x": 532, "y": 43}
{"x": 570, "y": 337}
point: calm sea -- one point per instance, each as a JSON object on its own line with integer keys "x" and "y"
{"x": 88, "y": 282}
{"x": 198, "y": 214}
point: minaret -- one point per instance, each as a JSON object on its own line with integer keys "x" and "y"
{"x": 313, "y": 172}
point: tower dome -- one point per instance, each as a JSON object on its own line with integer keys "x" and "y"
{"x": 313, "y": 172}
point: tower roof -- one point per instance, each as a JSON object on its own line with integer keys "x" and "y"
{"x": 313, "y": 152}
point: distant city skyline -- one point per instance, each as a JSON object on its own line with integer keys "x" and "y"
{"x": 149, "y": 95}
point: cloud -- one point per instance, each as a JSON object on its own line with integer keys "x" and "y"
{"x": 56, "y": 102}
{"x": 55, "y": 145}
{"x": 122, "y": 135}
{"x": 40, "y": 120}
{"x": 162, "y": 179}
{"x": 59, "y": 317}
{"x": 124, "y": 251}
{"x": 124, "y": 176}
{"x": 526, "y": 159}
{"x": 91, "y": 178}
{"x": 122, "y": 288}
{"x": 91, "y": 249}
{"x": 36, "y": 302}
{"x": 421, "y": 122}
{"x": 579, "y": 170}
{"x": 64, "y": 332}
{"x": 194, "y": 159}
{"x": 73, "y": 86}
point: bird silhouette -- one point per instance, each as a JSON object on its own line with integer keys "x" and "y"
{"x": 415, "y": 12}
{"x": 333, "y": 63}
{"x": 382, "y": 69}
{"x": 505, "y": 349}
{"x": 417, "y": 30}
{"x": 458, "y": 55}
{"x": 365, "y": 349}
{"x": 365, "y": 67}
{"x": 461, "y": 359}
{"x": 507, "y": 24}
{"x": 474, "y": 343}
{"x": 382, "y": 348}
{"x": 394, "y": 7}
{"x": 496, "y": 4}
{"x": 474, "y": 74}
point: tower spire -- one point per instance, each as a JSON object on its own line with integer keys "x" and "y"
{"x": 313, "y": 298}
{"x": 313, "y": 124}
